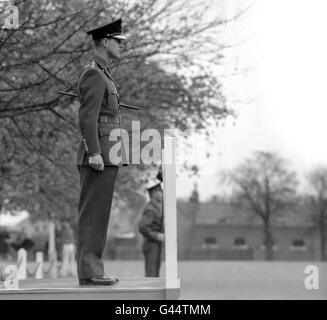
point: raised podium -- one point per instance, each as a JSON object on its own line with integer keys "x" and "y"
{"x": 68, "y": 289}
{"x": 128, "y": 288}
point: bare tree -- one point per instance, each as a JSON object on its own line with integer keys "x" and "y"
{"x": 318, "y": 182}
{"x": 265, "y": 183}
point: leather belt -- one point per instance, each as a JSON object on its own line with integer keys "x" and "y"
{"x": 109, "y": 118}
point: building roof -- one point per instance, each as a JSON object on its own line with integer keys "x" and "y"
{"x": 212, "y": 213}
{"x": 222, "y": 213}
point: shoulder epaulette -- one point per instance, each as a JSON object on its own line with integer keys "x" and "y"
{"x": 90, "y": 65}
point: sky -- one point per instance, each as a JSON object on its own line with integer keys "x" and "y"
{"x": 279, "y": 86}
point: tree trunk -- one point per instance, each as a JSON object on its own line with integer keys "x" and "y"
{"x": 268, "y": 242}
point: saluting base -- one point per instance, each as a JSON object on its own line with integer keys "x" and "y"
{"x": 69, "y": 289}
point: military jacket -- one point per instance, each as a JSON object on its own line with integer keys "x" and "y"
{"x": 152, "y": 221}
{"x": 99, "y": 116}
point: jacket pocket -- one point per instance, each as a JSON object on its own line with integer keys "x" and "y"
{"x": 113, "y": 99}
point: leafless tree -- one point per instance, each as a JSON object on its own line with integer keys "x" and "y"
{"x": 265, "y": 183}
{"x": 318, "y": 198}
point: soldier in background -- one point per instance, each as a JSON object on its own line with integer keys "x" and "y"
{"x": 152, "y": 228}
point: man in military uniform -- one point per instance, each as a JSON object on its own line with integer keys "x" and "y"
{"x": 151, "y": 227}
{"x": 99, "y": 118}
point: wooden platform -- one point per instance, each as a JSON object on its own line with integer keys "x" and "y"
{"x": 68, "y": 289}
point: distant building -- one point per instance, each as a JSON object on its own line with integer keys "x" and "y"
{"x": 218, "y": 230}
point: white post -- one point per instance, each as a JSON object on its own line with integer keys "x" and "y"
{"x": 39, "y": 265}
{"x": 65, "y": 261}
{"x": 52, "y": 238}
{"x": 68, "y": 266}
{"x": 170, "y": 219}
{"x": 52, "y": 253}
{"x": 21, "y": 264}
{"x": 53, "y": 261}
{"x": 72, "y": 263}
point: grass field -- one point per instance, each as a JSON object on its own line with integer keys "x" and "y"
{"x": 215, "y": 280}
{"x": 221, "y": 280}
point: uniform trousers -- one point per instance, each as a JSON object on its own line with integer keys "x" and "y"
{"x": 94, "y": 208}
{"x": 152, "y": 255}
